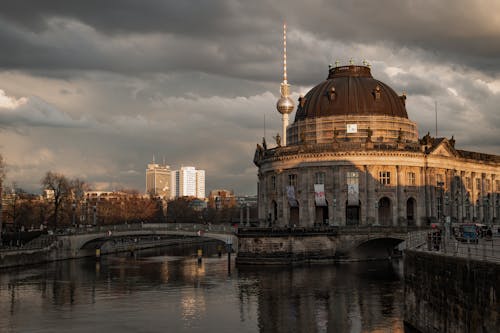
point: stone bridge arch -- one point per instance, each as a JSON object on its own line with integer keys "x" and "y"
{"x": 375, "y": 246}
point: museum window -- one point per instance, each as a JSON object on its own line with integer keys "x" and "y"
{"x": 467, "y": 209}
{"x": 497, "y": 185}
{"x": 439, "y": 204}
{"x": 440, "y": 178}
{"x": 352, "y": 178}
{"x": 412, "y": 179}
{"x": 384, "y": 177}
{"x": 487, "y": 185}
{"x": 292, "y": 180}
{"x": 467, "y": 182}
{"x": 319, "y": 178}
{"x": 478, "y": 184}
{"x": 273, "y": 183}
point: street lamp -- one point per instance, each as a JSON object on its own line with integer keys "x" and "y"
{"x": 73, "y": 206}
{"x": 95, "y": 214}
{"x": 440, "y": 214}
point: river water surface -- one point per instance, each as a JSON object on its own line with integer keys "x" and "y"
{"x": 166, "y": 290}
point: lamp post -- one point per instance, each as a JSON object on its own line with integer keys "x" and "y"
{"x": 334, "y": 209}
{"x": 95, "y": 214}
{"x": 73, "y": 206}
{"x": 229, "y": 244}
{"x": 440, "y": 211}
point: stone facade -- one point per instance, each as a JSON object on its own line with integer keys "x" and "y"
{"x": 422, "y": 187}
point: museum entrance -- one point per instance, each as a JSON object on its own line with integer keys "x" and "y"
{"x": 410, "y": 211}
{"x": 274, "y": 215}
{"x": 352, "y": 214}
{"x": 321, "y": 215}
{"x": 384, "y": 211}
{"x": 294, "y": 216}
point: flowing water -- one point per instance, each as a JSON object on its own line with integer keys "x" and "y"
{"x": 167, "y": 290}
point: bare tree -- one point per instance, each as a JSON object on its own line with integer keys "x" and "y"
{"x": 2, "y": 177}
{"x": 60, "y": 190}
{"x": 77, "y": 188}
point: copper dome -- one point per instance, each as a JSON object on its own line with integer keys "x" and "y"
{"x": 351, "y": 90}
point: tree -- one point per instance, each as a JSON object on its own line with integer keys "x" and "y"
{"x": 16, "y": 197}
{"x": 2, "y": 177}
{"x": 77, "y": 189}
{"x": 60, "y": 190}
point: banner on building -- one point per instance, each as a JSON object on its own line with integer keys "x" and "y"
{"x": 353, "y": 194}
{"x": 290, "y": 191}
{"x": 319, "y": 194}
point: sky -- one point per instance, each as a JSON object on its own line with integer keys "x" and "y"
{"x": 93, "y": 89}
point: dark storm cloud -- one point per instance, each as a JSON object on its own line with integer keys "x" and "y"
{"x": 193, "y": 80}
{"x": 238, "y": 38}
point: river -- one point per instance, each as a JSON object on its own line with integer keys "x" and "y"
{"x": 166, "y": 290}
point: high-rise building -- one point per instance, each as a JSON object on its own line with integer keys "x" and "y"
{"x": 158, "y": 180}
{"x": 188, "y": 182}
{"x": 200, "y": 183}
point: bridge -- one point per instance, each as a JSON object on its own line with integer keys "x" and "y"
{"x": 329, "y": 243}
{"x": 83, "y": 242}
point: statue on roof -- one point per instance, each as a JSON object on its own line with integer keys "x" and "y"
{"x": 278, "y": 139}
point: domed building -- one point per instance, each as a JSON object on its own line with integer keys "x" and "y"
{"x": 353, "y": 157}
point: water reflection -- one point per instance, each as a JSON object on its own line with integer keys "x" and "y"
{"x": 346, "y": 298}
{"x": 167, "y": 290}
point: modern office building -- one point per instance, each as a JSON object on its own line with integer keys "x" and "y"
{"x": 188, "y": 182}
{"x": 158, "y": 180}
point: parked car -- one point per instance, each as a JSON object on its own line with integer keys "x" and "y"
{"x": 468, "y": 233}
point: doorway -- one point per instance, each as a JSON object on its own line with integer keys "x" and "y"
{"x": 384, "y": 211}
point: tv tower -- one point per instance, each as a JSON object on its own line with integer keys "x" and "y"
{"x": 285, "y": 103}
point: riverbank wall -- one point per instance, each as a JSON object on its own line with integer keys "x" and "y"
{"x": 450, "y": 294}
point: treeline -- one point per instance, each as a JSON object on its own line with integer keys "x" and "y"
{"x": 66, "y": 202}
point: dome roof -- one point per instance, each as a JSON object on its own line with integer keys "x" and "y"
{"x": 351, "y": 90}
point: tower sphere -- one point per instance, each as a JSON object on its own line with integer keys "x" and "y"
{"x": 285, "y": 105}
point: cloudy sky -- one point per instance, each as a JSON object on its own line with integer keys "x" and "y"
{"x": 94, "y": 89}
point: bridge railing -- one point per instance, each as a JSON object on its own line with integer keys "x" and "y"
{"x": 433, "y": 241}
{"x": 335, "y": 230}
{"x": 194, "y": 227}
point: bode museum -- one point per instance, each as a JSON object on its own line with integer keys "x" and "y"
{"x": 353, "y": 157}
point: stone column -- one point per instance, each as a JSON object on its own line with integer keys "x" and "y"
{"x": 311, "y": 204}
{"x": 329, "y": 188}
{"x": 341, "y": 197}
{"x": 285, "y": 207}
{"x": 399, "y": 196}
{"x": 461, "y": 201}
{"x": 248, "y": 215}
{"x": 432, "y": 192}
{"x": 448, "y": 196}
{"x": 493, "y": 198}
{"x": 427, "y": 199}
{"x": 481, "y": 198}
{"x": 367, "y": 201}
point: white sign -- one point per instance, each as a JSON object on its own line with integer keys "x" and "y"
{"x": 352, "y": 128}
{"x": 291, "y": 196}
{"x": 319, "y": 195}
{"x": 352, "y": 194}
